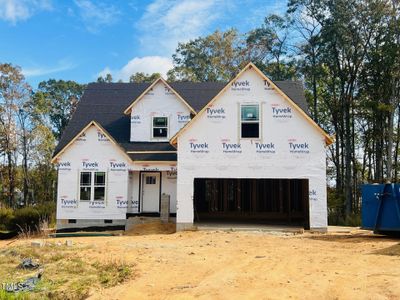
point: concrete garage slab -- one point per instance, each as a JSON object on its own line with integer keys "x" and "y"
{"x": 345, "y": 229}
{"x": 249, "y": 227}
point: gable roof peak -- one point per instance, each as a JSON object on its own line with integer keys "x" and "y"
{"x": 328, "y": 139}
{"x": 156, "y": 81}
{"x": 88, "y": 125}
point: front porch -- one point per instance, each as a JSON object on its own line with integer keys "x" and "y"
{"x": 147, "y": 184}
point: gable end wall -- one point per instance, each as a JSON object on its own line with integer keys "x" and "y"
{"x": 290, "y": 147}
{"x": 159, "y": 101}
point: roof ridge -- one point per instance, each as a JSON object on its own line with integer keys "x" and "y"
{"x": 105, "y": 102}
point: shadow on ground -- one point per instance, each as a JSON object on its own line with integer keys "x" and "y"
{"x": 390, "y": 251}
{"x": 354, "y": 238}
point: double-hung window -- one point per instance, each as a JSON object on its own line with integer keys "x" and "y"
{"x": 92, "y": 186}
{"x": 85, "y": 186}
{"x": 250, "y": 121}
{"x": 160, "y": 127}
{"x": 99, "y": 186}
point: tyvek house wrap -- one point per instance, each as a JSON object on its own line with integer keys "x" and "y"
{"x": 93, "y": 151}
{"x": 160, "y": 101}
{"x": 289, "y": 146}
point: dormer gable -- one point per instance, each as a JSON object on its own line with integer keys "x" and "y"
{"x": 150, "y": 90}
{"x": 158, "y": 113}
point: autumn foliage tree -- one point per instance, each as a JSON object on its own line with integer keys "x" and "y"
{"x": 346, "y": 52}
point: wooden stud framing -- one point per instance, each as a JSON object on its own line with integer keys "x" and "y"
{"x": 281, "y": 200}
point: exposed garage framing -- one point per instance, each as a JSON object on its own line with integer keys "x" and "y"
{"x": 274, "y": 201}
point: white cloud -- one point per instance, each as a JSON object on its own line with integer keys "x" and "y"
{"x": 146, "y": 64}
{"x": 104, "y": 72}
{"x": 96, "y": 15}
{"x": 162, "y": 26}
{"x": 63, "y": 65}
{"x": 165, "y": 23}
{"x": 19, "y": 10}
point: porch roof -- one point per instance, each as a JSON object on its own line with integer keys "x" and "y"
{"x": 137, "y": 157}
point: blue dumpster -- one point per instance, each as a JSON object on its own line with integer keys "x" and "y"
{"x": 381, "y": 207}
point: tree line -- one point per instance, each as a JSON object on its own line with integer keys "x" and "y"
{"x": 347, "y": 54}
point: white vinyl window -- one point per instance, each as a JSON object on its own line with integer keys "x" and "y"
{"x": 160, "y": 127}
{"x": 85, "y": 186}
{"x": 99, "y": 186}
{"x": 250, "y": 121}
{"x": 92, "y": 186}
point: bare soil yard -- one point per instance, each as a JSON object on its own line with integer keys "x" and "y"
{"x": 214, "y": 265}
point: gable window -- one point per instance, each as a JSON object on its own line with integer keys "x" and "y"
{"x": 92, "y": 186}
{"x": 160, "y": 127}
{"x": 250, "y": 121}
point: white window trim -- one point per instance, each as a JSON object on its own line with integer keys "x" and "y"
{"x": 80, "y": 185}
{"x": 92, "y": 185}
{"x": 259, "y": 121}
{"x": 152, "y": 129}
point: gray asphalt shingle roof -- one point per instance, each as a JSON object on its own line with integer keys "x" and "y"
{"x": 153, "y": 156}
{"x": 105, "y": 103}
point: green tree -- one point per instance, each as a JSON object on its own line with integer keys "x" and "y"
{"x": 216, "y": 57}
{"x": 43, "y": 174}
{"x": 14, "y": 94}
{"x": 348, "y": 59}
{"x": 107, "y": 78}
{"x": 304, "y": 14}
{"x": 139, "y": 77}
{"x": 61, "y": 97}
{"x": 268, "y": 46}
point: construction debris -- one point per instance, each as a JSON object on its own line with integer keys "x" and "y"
{"x": 28, "y": 264}
{"x": 37, "y": 244}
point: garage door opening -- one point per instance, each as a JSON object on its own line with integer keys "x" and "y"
{"x": 262, "y": 201}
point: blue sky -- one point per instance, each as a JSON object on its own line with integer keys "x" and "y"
{"x": 80, "y": 39}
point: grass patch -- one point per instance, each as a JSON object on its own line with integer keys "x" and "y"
{"x": 8, "y": 296}
{"x": 113, "y": 272}
{"x": 68, "y": 272}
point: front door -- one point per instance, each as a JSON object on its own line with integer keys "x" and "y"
{"x": 151, "y": 192}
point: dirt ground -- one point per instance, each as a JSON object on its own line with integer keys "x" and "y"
{"x": 249, "y": 265}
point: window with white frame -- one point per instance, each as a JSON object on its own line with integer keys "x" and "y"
{"x": 99, "y": 186}
{"x": 160, "y": 127}
{"x": 250, "y": 121}
{"x": 92, "y": 186}
{"x": 85, "y": 186}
